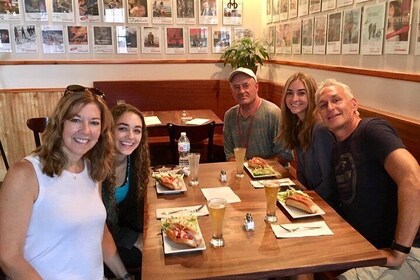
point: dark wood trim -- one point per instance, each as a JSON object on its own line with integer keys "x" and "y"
{"x": 412, "y": 77}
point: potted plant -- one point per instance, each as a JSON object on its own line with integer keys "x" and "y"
{"x": 246, "y": 52}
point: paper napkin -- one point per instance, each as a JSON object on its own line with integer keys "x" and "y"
{"x": 304, "y": 229}
{"x": 221, "y": 192}
{"x": 283, "y": 182}
{"x": 197, "y": 121}
{"x": 183, "y": 211}
{"x": 151, "y": 120}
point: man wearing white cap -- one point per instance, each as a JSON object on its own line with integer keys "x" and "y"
{"x": 254, "y": 123}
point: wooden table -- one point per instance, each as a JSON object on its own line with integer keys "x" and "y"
{"x": 249, "y": 255}
{"x": 174, "y": 116}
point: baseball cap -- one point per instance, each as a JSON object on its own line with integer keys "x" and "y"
{"x": 246, "y": 71}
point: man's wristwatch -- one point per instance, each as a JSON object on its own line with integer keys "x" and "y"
{"x": 400, "y": 248}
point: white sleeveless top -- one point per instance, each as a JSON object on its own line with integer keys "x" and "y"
{"x": 64, "y": 238}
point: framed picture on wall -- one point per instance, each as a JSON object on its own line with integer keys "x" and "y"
{"x": 342, "y": 3}
{"x": 293, "y": 9}
{"x": 307, "y": 35}
{"x": 113, "y": 11}
{"x": 240, "y": 32}
{"x": 25, "y": 38}
{"x": 126, "y": 39}
{"x": 185, "y": 12}
{"x": 151, "y": 40}
{"x": 303, "y": 7}
{"x": 351, "y": 31}
{"x": 314, "y": 6}
{"x": 279, "y": 38}
{"x": 327, "y": 5}
{"x": 334, "y": 33}
{"x": 373, "y": 25}
{"x": 296, "y": 37}
{"x": 35, "y": 10}
{"x": 10, "y": 10}
{"x": 221, "y": 39}
{"x": 208, "y": 12}
{"x": 284, "y": 9}
{"x": 232, "y": 12}
{"x": 102, "y": 39}
{"x": 88, "y": 11}
{"x": 398, "y": 26}
{"x": 287, "y": 37}
{"x": 137, "y": 11}
{"x": 62, "y": 11}
{"x": 77, "y": 39}
{"x": 5, "y": 41}
{"x": 52, "y": 38}
{"x": 198, "y": 38}
{"x": 275, "y": 14}
{"x": 162, "y": 12}
{"x": 320, "y": 31}
{"x": 175, "y": 40}
{"x": 269, "y": 10}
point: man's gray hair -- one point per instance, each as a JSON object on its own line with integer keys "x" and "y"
{"x": 332, "y": 82}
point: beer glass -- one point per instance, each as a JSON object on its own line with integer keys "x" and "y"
{"x": 217, "y": 207}
{"x": 240, "y": 158}
{"x": 193, "y": 161}
{"x": 271, "y": 189}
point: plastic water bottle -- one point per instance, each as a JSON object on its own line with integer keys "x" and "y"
{"x": 183, "y": 149}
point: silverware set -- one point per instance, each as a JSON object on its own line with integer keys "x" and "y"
{"x": 185, "y": 209}
{"x": 293, "y": 229}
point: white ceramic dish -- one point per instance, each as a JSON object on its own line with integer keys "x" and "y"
{"x": 170, "y": 247}
{"x": 163, "y": 190}
{"x": 297, "y": 213}
{"x": 258, "y": 176}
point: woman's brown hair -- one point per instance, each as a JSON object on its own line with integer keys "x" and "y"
{"x": 295, "y": 132}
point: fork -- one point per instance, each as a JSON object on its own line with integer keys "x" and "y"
{"x": 180, "y": 210}
{"x": 296, "y": 228}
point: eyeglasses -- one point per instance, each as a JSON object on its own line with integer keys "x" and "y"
{"x": 80, "y": 89}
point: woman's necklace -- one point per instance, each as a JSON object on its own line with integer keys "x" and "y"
{"x": 122, "y": 172}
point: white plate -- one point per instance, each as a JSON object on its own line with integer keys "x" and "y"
{"x": 297, "y": 213}
{"x": 163, "y": 190}
{"x": 258, "y": 176}
{"x": 170, "y": 247}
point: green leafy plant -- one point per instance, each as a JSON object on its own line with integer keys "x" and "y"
{"x": 245, "y": 52}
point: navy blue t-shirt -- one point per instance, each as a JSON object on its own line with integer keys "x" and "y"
{"x": 367, "y": 194}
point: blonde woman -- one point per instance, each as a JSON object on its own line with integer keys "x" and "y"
{"x": 311, "y": 141}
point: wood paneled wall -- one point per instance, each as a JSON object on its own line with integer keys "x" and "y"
{"x": 16, "y": 106}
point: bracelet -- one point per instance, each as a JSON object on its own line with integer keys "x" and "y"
{"x": 400, "y": 248}
{"x": 126, "y": 277}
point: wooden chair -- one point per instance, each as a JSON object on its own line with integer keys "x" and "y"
{"x": 3, "y": 155}
{"x": 201, "y": 139}
{"x": 37, "y": 125}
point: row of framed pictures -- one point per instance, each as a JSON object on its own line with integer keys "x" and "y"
{"x": 122, "y": 11}
{"x": 362, "y": 30}
{"x": 278, "y": 10}
{"x": 76, "y": 39}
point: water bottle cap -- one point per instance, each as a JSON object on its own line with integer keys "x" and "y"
{"x": 183, "y": 133}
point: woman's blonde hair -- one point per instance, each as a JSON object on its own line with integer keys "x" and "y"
{"x": 51, "y": 154}
{"x": 295, "y": 132}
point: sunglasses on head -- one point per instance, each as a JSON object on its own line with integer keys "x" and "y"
{"x": 80, "y": 89}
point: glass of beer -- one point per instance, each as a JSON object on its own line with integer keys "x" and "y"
{"x": 193, "y": 161}
{"x": 217, "y": 207}
{"x": 240, "y": 158}
{"x": 271, "y": 189}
